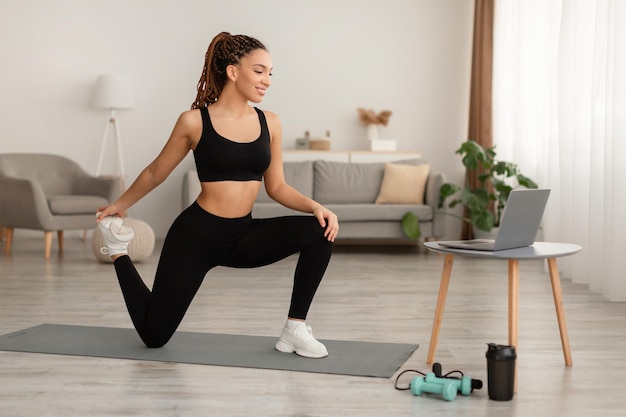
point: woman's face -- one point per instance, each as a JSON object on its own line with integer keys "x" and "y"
{"x": 252, "y": 75}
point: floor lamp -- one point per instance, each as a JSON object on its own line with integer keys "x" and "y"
{"x": 113, "y": 92}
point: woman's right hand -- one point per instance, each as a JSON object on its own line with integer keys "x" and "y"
{"x": 111, "y": 210}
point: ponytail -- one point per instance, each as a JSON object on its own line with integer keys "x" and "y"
{"x": 224, "y": 50}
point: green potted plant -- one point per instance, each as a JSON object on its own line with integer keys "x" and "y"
{"x": 496, "y": 180}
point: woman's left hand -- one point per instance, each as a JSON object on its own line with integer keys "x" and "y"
{"x": 329, "y": 220}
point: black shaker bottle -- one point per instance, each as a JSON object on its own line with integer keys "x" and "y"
{"x": 501, "y": 371}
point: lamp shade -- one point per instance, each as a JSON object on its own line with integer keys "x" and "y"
{"x": 113, "y": 92}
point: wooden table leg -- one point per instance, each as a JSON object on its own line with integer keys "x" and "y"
{"x": 513, "y": 307}
{"x": 560, "y": 313}
{"x": 441, "y": 303}
{"x": 513, "y": 300}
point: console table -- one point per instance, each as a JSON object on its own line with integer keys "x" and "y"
{"x": 539, "y": 250}
{"x": 349, "y": 156}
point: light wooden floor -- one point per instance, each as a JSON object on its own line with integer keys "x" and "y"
{"x": 369, "y": 294}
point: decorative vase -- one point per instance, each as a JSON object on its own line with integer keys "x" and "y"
{"x": 372, "y": 132}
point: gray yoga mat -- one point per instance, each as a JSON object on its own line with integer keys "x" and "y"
{"x": 345, "y": 358}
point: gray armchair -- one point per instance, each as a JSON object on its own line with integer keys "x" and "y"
{"x": 49, "y": 193}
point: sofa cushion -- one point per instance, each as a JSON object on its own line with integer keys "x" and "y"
{"x": 350, "y": 183}
{"x": 374, "y": 212}
{"x": 351, "y": 212}
{"x": 344, "y": 183}
{"x": 297, "y": 174}
{"x": 403, "y": 184}
{"x": 273, "y": 209}
{"x": 75, "y": 204}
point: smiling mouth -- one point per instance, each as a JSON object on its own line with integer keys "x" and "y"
{"x": 261, "y": 90}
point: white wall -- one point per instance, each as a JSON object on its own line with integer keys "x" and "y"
{"x": 330, "y": 57}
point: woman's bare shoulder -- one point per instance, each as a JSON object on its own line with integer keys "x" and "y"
{"x": 190, "y": 117}
{"x": 272, "y": 118}
{"x": 189, "y": 127}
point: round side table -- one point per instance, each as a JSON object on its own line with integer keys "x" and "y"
{"x": 539, "y": 250}
{"x": 139, "y": 249}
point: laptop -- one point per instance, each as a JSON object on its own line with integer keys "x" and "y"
{"x": 519, "y": 224}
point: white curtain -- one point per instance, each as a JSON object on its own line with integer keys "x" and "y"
{"x": 559, "y": 111}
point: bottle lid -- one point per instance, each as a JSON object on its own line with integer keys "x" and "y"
{"x": 500, "y": 352}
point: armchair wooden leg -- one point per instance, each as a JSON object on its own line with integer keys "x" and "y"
{"x": 60, "y": 240}
{"x": 48, "y": 243}
{"x": 8, "y": 239}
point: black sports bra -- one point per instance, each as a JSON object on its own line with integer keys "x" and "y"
{"x": 221, "y": 159}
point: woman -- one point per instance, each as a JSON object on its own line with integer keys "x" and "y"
{"x": 234, "y": 146}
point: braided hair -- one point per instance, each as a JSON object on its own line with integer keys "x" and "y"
{"x": 225, "y": 49}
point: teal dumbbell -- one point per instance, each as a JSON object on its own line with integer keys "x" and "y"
{"x": 463, "y": 385}
{"x": 447, "y": 388}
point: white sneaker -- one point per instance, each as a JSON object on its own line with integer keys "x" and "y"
{"x": 115, "y": 235}
{"x": 301, "y": 341}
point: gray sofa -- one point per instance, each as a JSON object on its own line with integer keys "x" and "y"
{"x": 350, "y": 190}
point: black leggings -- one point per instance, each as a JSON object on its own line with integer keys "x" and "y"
{"x": 198, "y": 241}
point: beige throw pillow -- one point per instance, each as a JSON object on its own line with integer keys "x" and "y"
{"x": 403, "y": 184}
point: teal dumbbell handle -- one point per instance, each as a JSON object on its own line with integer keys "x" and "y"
{"x": 447, "y": 390}
{"x": 463, "y": 385}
